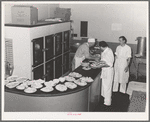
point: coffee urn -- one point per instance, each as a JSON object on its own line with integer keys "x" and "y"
{"x": 141, "y": 46}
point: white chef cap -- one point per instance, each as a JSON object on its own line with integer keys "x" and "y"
{"x": 91, "y": 40}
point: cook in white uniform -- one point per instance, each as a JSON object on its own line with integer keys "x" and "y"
{"x": 122, "y": 60}
{"x": 107, "y": 72}
{"x": 83, "y": 53}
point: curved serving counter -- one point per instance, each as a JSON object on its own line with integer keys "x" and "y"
{"x": 78, "y": 99}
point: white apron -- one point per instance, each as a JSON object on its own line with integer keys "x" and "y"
{"x": 107, "y": 79}
{"x": 78, "y": 61}
{"x": 120, "y": 75}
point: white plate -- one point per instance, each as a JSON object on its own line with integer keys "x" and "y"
{"x": 75, "y": 74}
{"x": 12, "y": 85}
{"x": 61, "y": 87}
{"x": 47, "y": 89}
{"x": 21, "y": 79}
{"x": 30, "y": 82}
{"x": 30, "y": 90}
{"x": 62, "y": 79}
{"x": 87, "y": 79}
{"x": 56, "y": 81}
{"x": 37, "y": 85}
{"x": 21, "y": 87}
{"x": 84, "y": 64}
{"x": 40, "y": 81}
{"x": 68, "y": 78}
{"x": 12, "y": 78}
{"x": 78, "y": 82}
{"x": 50, "y": 83}
{"x": 70, "y": 85}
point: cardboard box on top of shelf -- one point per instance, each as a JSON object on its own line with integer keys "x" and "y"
{"x": 64, "y": 10}
{"x": 62, "y": 13}
{"x": 24, "y": 15}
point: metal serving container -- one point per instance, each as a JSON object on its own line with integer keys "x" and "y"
{"x": 141, "y": 46}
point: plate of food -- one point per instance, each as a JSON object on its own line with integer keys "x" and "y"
{"x": 22, "y": 86}
{"x": 95, "y": 65}
{"x": 47, "y": 89}
{"x": 56, "y": 81}
{"x": 75, "y": 74}
{"x": 85, "y": 64}
{"x": 12, "y": 78}
{"x": 70, "y": 85}
{"x": 37, "y": 85}
{"x": 40, "y": 81}
{"x": 30, "y": 90}
{"x": 62, "y": 79}
{"x": 30, "y": 82}
{"x": 50, "y": 83}
{"x": 21, "y": 79}
{"x": 68, "y": 78}
{"x": 80, "y": 82}
{"x": 61, "y": 87}
{"x": 92, "y": 61}
{"x": 12, "y": 84}
{"x": 87, "y": 79}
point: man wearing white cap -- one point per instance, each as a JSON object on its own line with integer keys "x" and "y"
{"x": 83, "y": 53}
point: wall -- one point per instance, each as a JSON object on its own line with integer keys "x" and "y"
{"x": 44, "y": 10}
{"x": 109, "y": 21}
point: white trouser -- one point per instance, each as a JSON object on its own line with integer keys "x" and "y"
{"x": 107, "y": 79}
{"x": 122, "y": 87}
{"x": 106, "y": 92}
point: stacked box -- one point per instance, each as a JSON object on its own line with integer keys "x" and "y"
{"x": 63, "y": 13}
{"x": 24, "y": 15}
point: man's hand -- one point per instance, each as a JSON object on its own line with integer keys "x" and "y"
{"x": 126, "y": 69}
{"x": 97, "y": 59}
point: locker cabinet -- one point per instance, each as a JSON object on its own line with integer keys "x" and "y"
{"x": 40, "y": 51}
{"x": 58, "y": 44}
{"x": 49, "y": 70}
{"x": 38, "y": 72}
{"x": 66, "y": 63}
{"x": 49, "y": 47}
{"x": 38, "y": 56}
{"x": 66, "y": 40}
{"x": 58, "y": 67}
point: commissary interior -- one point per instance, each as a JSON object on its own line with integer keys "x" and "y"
{"x": 75, "y": 57}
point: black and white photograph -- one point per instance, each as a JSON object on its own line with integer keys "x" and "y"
{"x": 75, "y": 60}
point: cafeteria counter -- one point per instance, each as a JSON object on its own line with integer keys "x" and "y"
{"x": 80, "y": 99}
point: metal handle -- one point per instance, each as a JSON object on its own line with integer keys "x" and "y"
{"x": 45, "y": 49}
{"x": 44, "y": 76}
{"x": 62, "y": 64}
